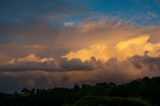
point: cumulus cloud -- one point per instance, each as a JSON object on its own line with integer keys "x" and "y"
{"x": 116, "y": 71}
{"x": 29, "y": 63}
{"x": 147, "y": 63}
{"x": 120, "y": 51}
{"x": 74, "y": 71}
{"x": 112, "y": 70}
{"x": 95, "y": 51}
{"x": 35, "y": 63}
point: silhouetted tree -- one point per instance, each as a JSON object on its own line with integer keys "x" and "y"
{"x": 146, "y": 88}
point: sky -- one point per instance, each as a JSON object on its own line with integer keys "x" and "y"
{"x": 49, "y": 43}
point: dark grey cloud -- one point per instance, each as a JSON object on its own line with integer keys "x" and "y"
{"x": 75, "y": 64}
{"x": 35, "y": 63}
{"x": 29, "y": 66}
{"x": 147, "y": 63}
{"x": 68, "y": 73}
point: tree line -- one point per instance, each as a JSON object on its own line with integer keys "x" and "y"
{"x": 140, "y": 92}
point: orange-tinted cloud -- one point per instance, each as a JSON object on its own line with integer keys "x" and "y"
{"x": 94, "y": 51}
{"x": 121, "y": 50}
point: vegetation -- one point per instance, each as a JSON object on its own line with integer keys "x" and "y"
{"x": 110, "y": 101}
{"x": 140, "y": 92}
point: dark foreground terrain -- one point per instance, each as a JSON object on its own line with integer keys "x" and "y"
{"x": 141, "y": 92}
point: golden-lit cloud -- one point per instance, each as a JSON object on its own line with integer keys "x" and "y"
{"x": 137, "y": 46}
{"x": 121, "y": 50}
{"x": 31, "y": 58}
{"x": 33, "y": 62}
{"x": 132, "y": 42}
{"x": 88, "y": 51}
{"x": 100, "y": 52}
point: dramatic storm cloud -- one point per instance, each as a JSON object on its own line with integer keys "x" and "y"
{"x": 65, "y": 42}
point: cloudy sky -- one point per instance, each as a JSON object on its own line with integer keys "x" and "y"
{"x": 48, "y": 43}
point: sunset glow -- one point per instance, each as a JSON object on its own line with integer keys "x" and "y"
{"x": 122, "y": 50}
{"x": 49, "y": 43}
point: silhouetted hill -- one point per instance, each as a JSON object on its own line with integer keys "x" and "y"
{"x": 110, "y": 101}
{"x": 140, "y": 92}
